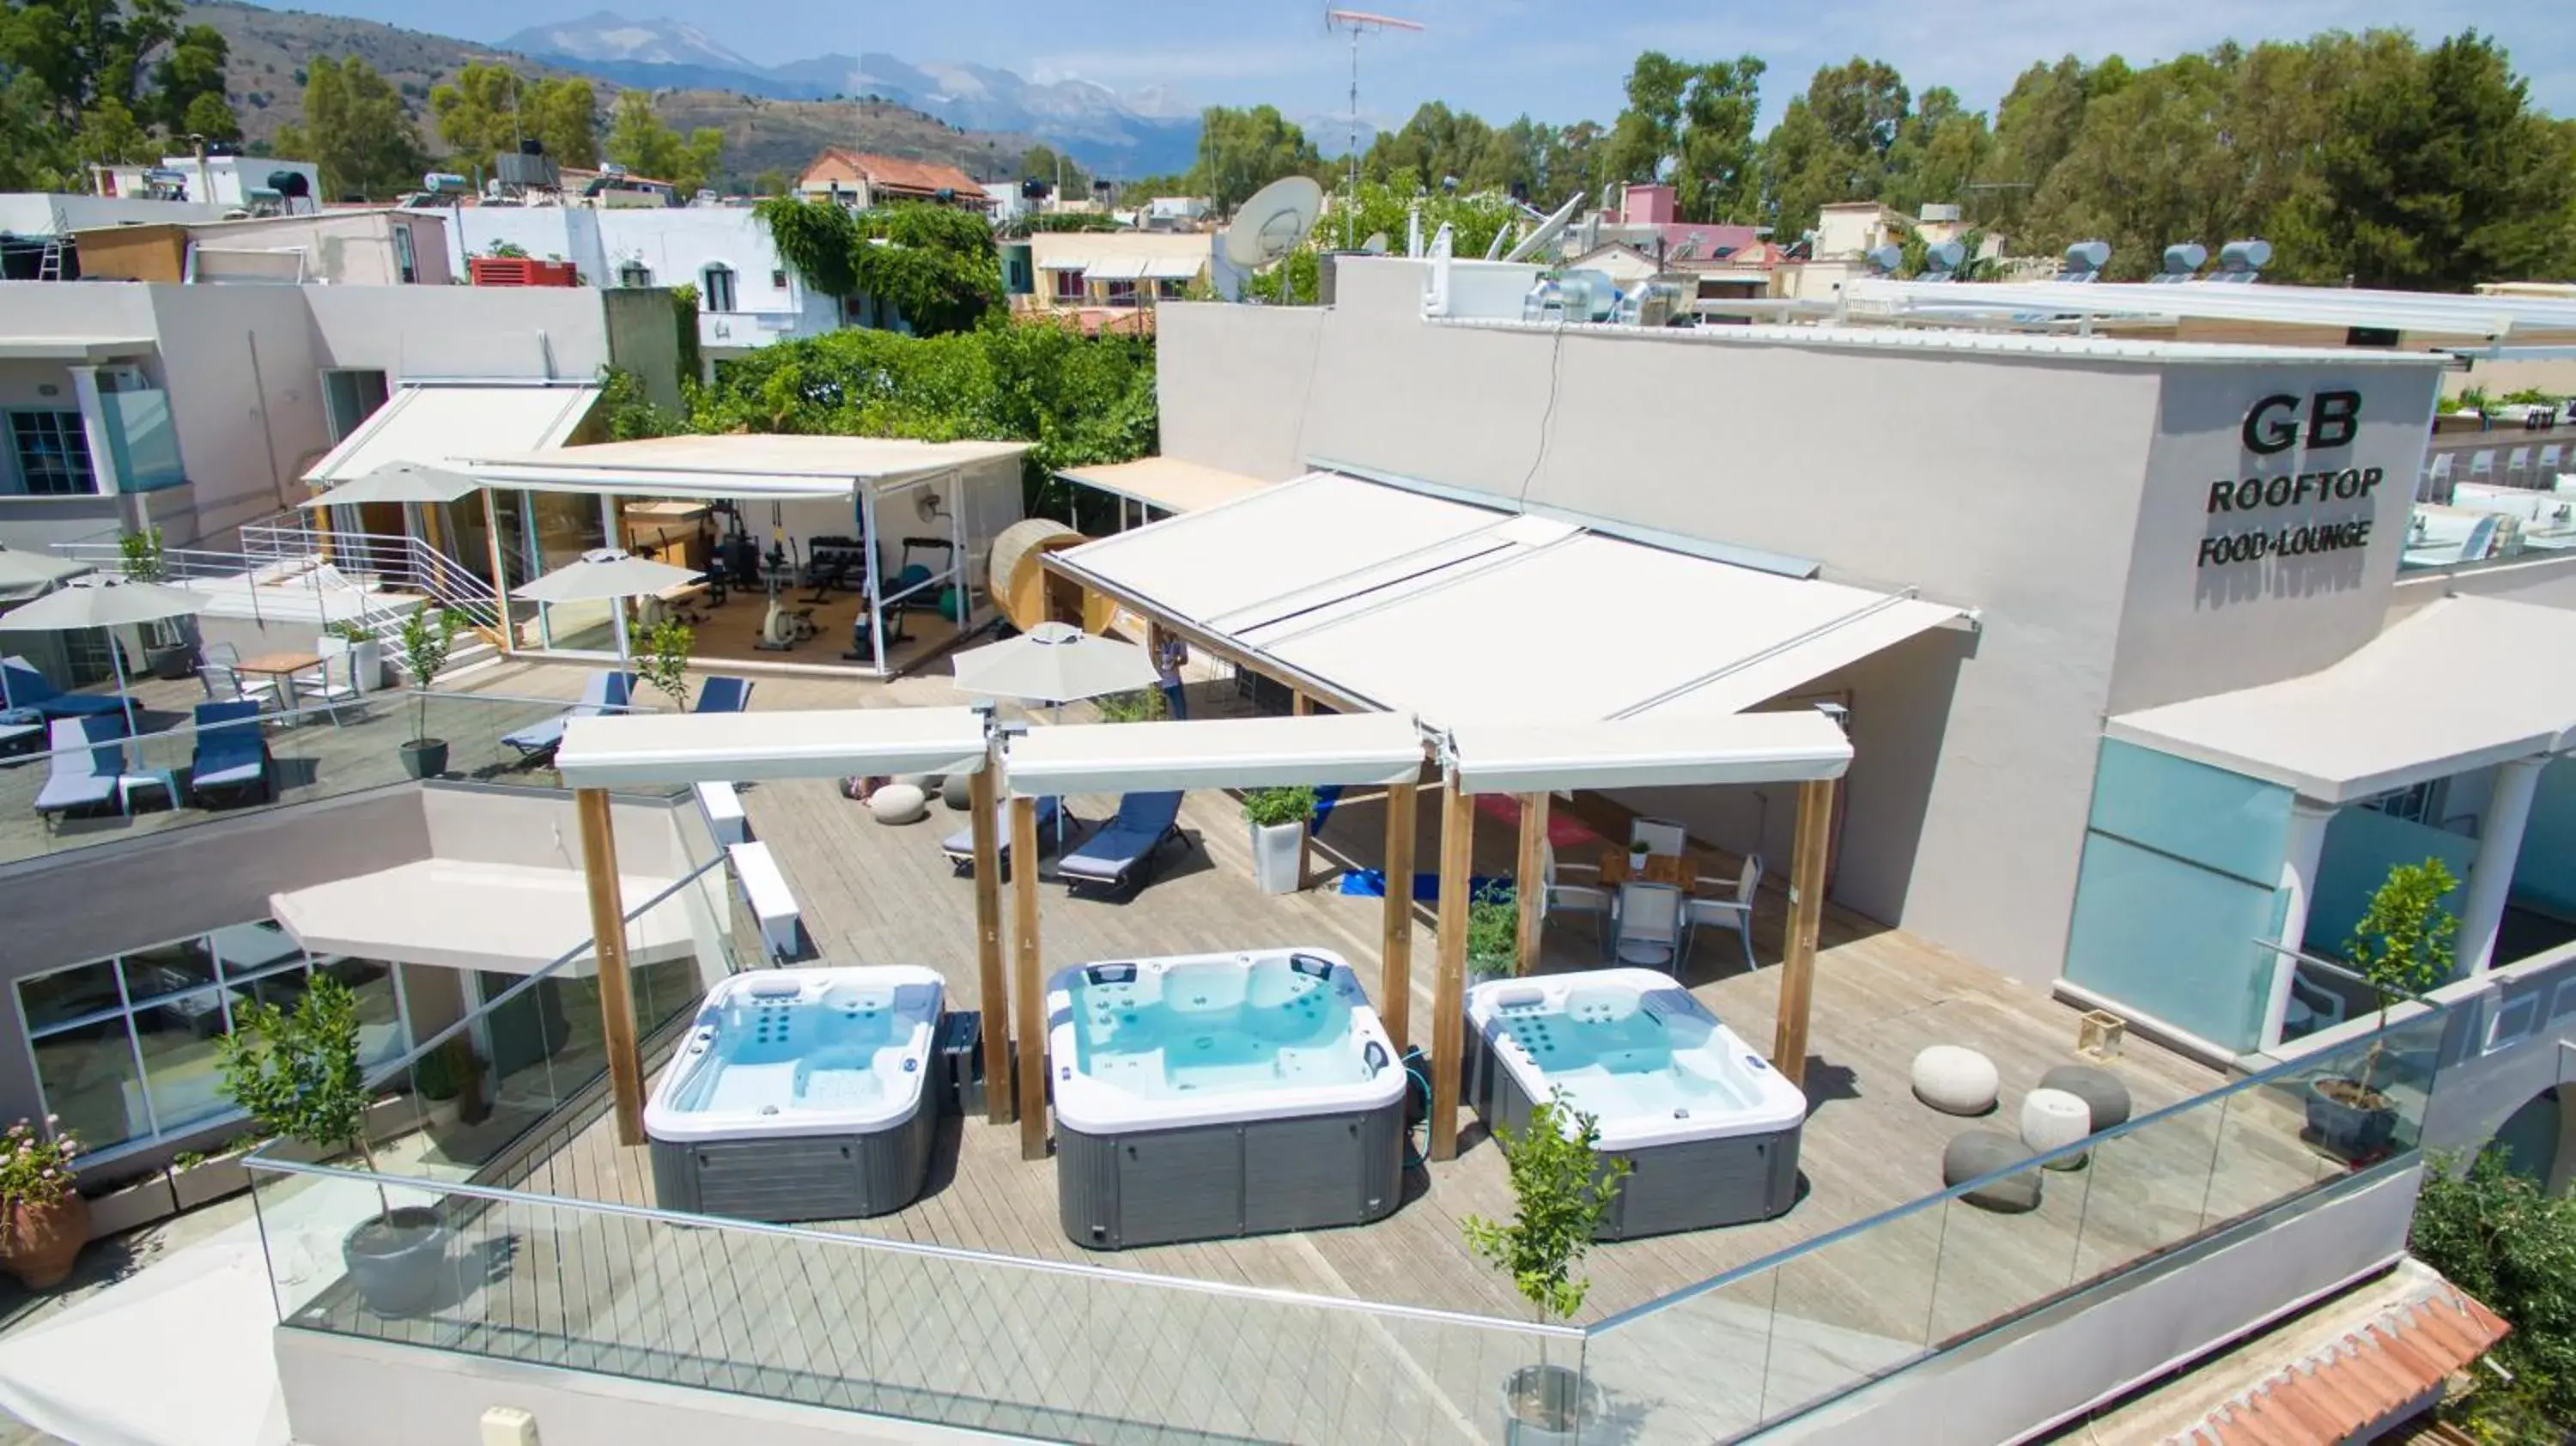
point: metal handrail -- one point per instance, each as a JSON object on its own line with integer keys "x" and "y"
{"x": 260, "y": 1160}
{"x": 406, "y": 696}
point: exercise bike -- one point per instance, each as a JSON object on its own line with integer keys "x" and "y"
{"x": 784, "y": 625}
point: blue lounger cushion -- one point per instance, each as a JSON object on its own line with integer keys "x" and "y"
{"x": 960, "y": 846}
{"x": 1127, "y": 844}
{"x": 230, "y": 755}
{"x": 83, "y": 773}
{"x": 602, "y": 692}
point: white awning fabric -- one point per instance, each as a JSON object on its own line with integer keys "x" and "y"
{"x": 1346, "y": 749}
{"x": 2463, "y": 683}
{"x": 761, "y": 466}
{"x": 1115, "y": 268}
{"x": 437, "y": 423}
{"x": 1645, "y": 753}
{"x": 1063, "y": 263}
{"x": 1174, "y": 268}
{"x": 1166, "y": 482}
{"x": 467, "y": 914}
{"x": 610, "y": 751}
{"x": 1456, "y": 612}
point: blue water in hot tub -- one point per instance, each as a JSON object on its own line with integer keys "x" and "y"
{"x": 1217, "y": 1026}
{"x": 797, "y": 1053}
{"x": 1616, "y": 1056}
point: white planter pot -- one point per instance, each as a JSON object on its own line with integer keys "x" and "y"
{"x": 1277, "y": 849}
{"x": 366, "y": 660}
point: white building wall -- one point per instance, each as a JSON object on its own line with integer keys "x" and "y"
{"x": 2009, "y": 483}
{"x": 33, "y": 214}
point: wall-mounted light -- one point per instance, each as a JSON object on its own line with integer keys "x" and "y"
{"x": 48, "y": 389}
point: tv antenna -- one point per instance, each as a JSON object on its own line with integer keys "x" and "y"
{"x": 1359, "y": 23}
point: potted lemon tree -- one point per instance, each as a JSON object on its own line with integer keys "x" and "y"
{"x": 2401, "y": 948}
{"x": 295, "y": 1072}
{"x": 1278, "y": 818}
{"x": 1561, "y": 1188}
{"x": 428, "y": 636}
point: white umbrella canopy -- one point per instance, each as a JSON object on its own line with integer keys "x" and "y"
{"x": 29, "y": 573}
{"x": 399, "y": 482}
{"x": 104, "y": 601}
{"x": 1054, "y": 663}
{"x": 605, "y": 574}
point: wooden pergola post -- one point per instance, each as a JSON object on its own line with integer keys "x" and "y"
{"x": 1300, "y": 706}
{"x": 1806, "y": 910}
{"x": 1395, "y": 948}
{"x": 1029, "y": 1001}
{"x": 608, "y": 941}
{"x": 509, "y": 635}
{"x": 1529, "y": 884}
{"x": 992, "y": 982}
{"x": 1449, "y": 989}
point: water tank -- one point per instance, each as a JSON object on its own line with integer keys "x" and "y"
{"x": 534, "y": 172}
{"x": 291, "y": 184}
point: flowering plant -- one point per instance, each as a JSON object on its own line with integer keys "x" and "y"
{"x": 36, "y": 1169}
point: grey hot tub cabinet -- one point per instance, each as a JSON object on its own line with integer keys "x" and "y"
{"x": 1686, "y": 1185}
{"x": 1247, "y": 1177}
{"x": 797, "y": 1177}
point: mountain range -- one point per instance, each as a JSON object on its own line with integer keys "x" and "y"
{"x": 1141, "y": 133}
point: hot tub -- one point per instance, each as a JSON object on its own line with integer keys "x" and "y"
{"x": 1710, "y": 1129}
{"x": 799, "y": 1095}
{"x": 1213, "y": 1095}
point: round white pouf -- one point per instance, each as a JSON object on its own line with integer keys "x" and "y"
{"x": 2052, "y": 1120}
{"x": 897, "y": 803}
{"x": 1956, "y": 1080}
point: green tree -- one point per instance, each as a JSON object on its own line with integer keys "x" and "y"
{"x": 1649, "y": 131}
{"x": 109, "y": 135}
{"x": 1561, "y": 1189}
{"x": 356, "y": 130}
{"x": 83, "y": 52}
{"x": 773, "y": 182}
{"x": 32, "y": 154}
{"x": 639, "y": 141}
{"x": 1043, "y": 163}
{"x": 2510, "y": 1245}
{"x": 1437, "y": 142}
{"x": 938, "y": 266}
{"x": 187, "y": 92}
{"x": 100, "y": 73}
{"x": 1942, "y": 149}
{"x": 2437, "y": 173}
{"x": 1832, "y": 143}
{"x": 1719, "y": 175}
{"x": 489, "y": 108}
{"x": 1241, "y": 151}
{"x": 295, "y": 1072}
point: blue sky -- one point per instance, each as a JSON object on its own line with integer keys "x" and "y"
{"x": 1558, "y": 61}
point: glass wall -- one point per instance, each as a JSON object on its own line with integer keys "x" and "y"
{"x": 2178, "y": 882}
{"x": 124, "y": 1048}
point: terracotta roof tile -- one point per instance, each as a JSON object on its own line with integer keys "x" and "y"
{"x": 895, "y": 173}
{"x": 2357, "y": 1380}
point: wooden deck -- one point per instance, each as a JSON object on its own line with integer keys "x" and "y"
{"x": 1015, "y": 1346}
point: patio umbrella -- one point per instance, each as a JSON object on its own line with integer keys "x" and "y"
{"x": 604, "y": 574}
{"x": 398, "y": 482}
{"x": 1055, "y": 664}
{"x": 104, "y": 601}
{"x": 33, "y": 572}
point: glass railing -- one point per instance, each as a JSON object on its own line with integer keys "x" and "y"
{"x": 56, "y": 800}
{"x": 142, "y": 440}
{"x": 1836, "y": 1312}
{"x": 1053, "y": 1351}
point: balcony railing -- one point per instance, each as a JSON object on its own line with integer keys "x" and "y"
{"x": 1075, "y": 1352}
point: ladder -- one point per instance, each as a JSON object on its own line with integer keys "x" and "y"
{"x": 49, "y": 265}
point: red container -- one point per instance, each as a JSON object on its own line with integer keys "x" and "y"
{"x": 521, "y": 271}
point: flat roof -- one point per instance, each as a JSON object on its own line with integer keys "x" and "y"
{"x": 437, "y": 423}
{"x": 756, "y": 464}
{"x": 1957, "y": 338}
{"x": 1169, "y": 483}
{"x": 74, "y": 348}
{"x": 1347, "y": 749}
{"x": 2461, "y": 684}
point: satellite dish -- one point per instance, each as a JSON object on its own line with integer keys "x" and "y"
{"x": 1270, "y": 225}
{"x": 1547, "y": 230}
{"x": 1377, "y": 243}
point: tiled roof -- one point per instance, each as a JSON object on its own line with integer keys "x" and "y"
{"x": 926, "y": 177}
{"x": 2358, "y": 1380}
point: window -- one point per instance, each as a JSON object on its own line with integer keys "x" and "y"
{"x": 718, "y": 291}
{"x": 1122, "y": 293}
{"x": 349, "y": 398}
{"x": 1068, "y": 285}
{"x": 777, "y": 279}
{"x": 1168, "y": 289}
{"x": 124, "y": 1048}
{"x": 2420, "y": 803}
{"x": 407, "y": 264}
{"x": 634, "y": 273}
{"x": 52, "y": 450}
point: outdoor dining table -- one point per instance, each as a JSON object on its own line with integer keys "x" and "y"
{"x": 1679, "y": 870}
{"x": 281, "y": 668}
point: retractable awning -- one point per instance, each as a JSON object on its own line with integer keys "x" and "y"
{"x": 1115, "y": 268}
{"x": 1346, "y": 749}
{"x": 1166, "y": 482}
{"x": 1174, "y": 268}
{"x": 465, "y": 914}
{"x": 1063, "y": 263}
{"x": 2463, "y": 683}
{"x": 1792, "y": 746}
{"x": 669, "y": 748}
{"x": 437, "y": 423}
{"x": 1456, "y": 612}
{"x": 758, "y": 465}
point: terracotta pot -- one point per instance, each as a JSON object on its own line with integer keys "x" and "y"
{"x": 38, "y": 1243}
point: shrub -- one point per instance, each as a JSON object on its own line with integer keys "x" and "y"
{"x": 2497, "y": 1236}
{"x": 1270, "y": 807}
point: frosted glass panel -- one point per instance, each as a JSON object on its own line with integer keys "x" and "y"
{"x": 2232, "y": 823}
{"x": 2171, "y": 939}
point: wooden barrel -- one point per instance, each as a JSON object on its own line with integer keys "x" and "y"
{"x": 1021, "y": 587}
